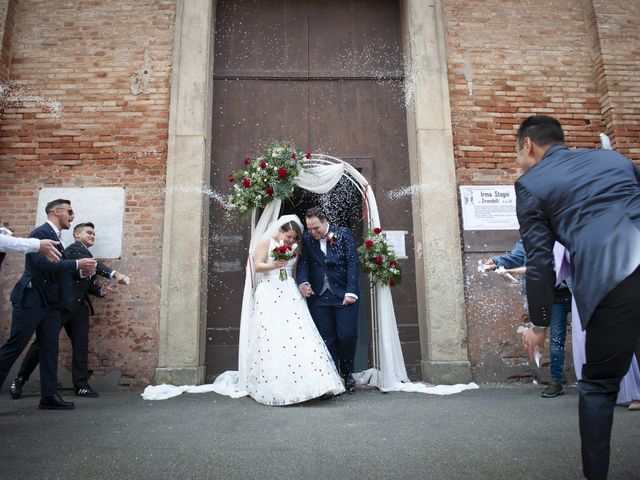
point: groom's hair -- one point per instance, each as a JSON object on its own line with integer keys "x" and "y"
{"x": 316, "y": 212}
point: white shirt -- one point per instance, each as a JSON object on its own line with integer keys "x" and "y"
{"x": 8, "y": 243}
{"x": 323, "y": 240}
{"x": 58, "y": 233}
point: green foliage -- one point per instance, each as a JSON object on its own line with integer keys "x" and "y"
{"x": 378, "y": 260}
{"x": 269, "y": 176}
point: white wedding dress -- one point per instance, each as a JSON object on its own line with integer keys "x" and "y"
{"x": 287, "y": 360}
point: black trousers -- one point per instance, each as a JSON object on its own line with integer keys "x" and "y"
{"x": 76, "y": 324}
{"x": 612, "y": 336}
{"x": 338, "y": 326}
{"x": 45, "y": 323}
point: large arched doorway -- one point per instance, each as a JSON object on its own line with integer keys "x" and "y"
{"x": 326, "y": 76}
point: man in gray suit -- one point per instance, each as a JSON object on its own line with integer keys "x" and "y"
{"x": 588, "y": 200}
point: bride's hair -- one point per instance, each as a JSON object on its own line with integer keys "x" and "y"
{"x": 292, "y": 226}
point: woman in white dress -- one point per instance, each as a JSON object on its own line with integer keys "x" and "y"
{"x": 629, "y": 393}
{"x": 287, "y": 360}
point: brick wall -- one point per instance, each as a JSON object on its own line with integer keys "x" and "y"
{"x": 71, "y": 120}
{"x": 7, "y": 23}
{"x": 508, "y": 59}
{"x": 616, "y": 24}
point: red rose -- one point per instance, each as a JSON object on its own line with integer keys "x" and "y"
{"x": 246, "y": 183}
{"x": 293, "y": 155}
{"x": 283, "y": 249}
{"x": 379, "y": 259}
{"x": 230, "y": 178}
{"x": 393, "y": 263}
{"x": 288, "y": 247}
{"x": 282, "y": 172}
{"x": 368, "y": 243}
{"x": 247, "y": 160}
{"x": 377, "y": 230}
{"x": 392, "y": 282}
{"x": 308, "y": 155}
{"x": 263, "y": 164}
{"x": 269, "y": 191}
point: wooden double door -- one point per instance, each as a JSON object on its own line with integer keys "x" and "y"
{"x": 327, "y": 76}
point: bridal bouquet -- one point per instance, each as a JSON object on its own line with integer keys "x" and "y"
{"x": 378, "y": 260}
{"x": 284, "y": 252}
{"x": 269, "y": 176}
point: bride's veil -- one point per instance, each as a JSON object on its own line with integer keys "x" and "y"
{"x": 274, "y": 227}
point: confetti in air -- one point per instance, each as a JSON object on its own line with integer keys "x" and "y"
{"x": 20, "y": 95}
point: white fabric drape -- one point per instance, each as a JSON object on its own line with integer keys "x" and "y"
{"x": 320, "y": 175}
{"x": 630, "y": 383}
{"x": 320, "y": 178}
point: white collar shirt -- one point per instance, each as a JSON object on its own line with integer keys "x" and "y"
{"x": 323, "y": 241}
{"x": 58, "y": 233}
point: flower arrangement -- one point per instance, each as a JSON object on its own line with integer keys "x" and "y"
{"x": 377, "y": 260}
{"x": 262, "y": 179}
{"x": 284, "y": 252}
{"x": 331, "y": 238}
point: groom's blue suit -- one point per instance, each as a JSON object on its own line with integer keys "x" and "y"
{"x": 337, "y": 323}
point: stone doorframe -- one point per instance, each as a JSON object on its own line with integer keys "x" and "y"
{"x": 439, "y": 275}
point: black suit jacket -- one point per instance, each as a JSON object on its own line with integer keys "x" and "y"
{"x": 82, "y": 287}
{"x": 44, "y": 283}
{"x": 588, "y": 200}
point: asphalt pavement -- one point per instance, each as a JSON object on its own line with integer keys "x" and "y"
{"x": 495, "y": 432}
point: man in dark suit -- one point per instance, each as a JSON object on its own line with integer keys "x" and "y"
{"x": 327, "y": 274}
{"x": 38, "y": 297}
{"x": 588, "y": 200}
{"x": 74, "y": 317}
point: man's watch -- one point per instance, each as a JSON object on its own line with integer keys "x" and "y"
{"x": 537, "y": 329}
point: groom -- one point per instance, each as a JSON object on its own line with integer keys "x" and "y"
{"x": 328, "y": 272}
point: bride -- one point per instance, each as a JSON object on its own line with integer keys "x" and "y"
{"x": 287, "y": 360}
